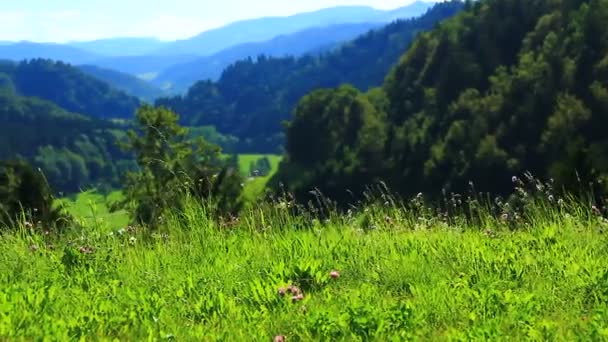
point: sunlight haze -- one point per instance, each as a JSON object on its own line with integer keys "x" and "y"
{"x": 77, "y": 20}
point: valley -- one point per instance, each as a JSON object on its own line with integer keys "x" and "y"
{"x": 435, "y": 171}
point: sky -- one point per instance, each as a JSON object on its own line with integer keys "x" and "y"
{"x": 78, "y": 20}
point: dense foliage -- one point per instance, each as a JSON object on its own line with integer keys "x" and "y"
{"x": 253, "y": 97}
{"x": 506, "y": 87}
{"x": 69, "y": 88}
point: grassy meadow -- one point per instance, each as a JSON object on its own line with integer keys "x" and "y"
{"x": 400, "y": 272}
{"x": 254, "y": 187}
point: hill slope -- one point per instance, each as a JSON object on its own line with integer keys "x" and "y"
{"x": 72, "y": 150}
{"x": 69, "y": 88}
{"x": 257, "y": 30}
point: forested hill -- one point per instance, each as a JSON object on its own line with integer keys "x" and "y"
{"x": 72, "y": 150}
{"x": 69, "y": 88}
{"x": 506, "y": 87}
{"x": 253, "y": 97}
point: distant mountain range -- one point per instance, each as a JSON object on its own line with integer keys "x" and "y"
{"x": 115, "y": 47}
{"x": 263, "y": 29}
{"x": 174, "y": 66}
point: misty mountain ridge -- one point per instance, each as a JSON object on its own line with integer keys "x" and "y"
{"x": 115, "y": 47}
{"x": 263, "y": 29}
{"x": 310, "y": 41}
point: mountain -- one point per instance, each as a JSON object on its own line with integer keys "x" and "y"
{"x": 253, "y": 97}
{"x": 263, "y": 29}
{"x": 182, "y": 76}
{"x": 124, "y": 82}
{"x": 69, "y": 88}
{"x": 27, "y": 50}
{"x": 506, "y": 91}
{"x": 117, "y": 47}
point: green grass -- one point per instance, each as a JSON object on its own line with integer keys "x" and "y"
{"x": 91, "y": 209}
{"x": 404, "y": 275}
{"x": 245, "y": 161}
{"x": 254, "y": 187}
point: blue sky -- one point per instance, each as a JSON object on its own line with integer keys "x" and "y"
{"x": 69, "y": 20}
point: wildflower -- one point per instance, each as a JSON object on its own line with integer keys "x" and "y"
{"x": 595, "y": 210}
{"x": 85, "y": 250}
{"x": 282, "y": 292}
{"x": 280, "y": 338}
{"x": 489, "y": 233}
{"x": 28, "y": 224}
{"x": 34, "y": 248}
{"x": 132, "y": 240}
{"x": 551, "y": 198}
{"x": 293, "y": 290}
{"x": 334, "y": 274}
{"x": 504, "y": 217}
{"x": 514, "y": 179}
{"x": 297, "y": 298}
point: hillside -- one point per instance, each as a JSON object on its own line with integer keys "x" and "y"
{"x": 182, "y": 76}
{"x": 253, "y": 97}
{"x": 71, "y": 150}
{"x": 69, "y": 88}
{"x": 129, "y": 84}
{"x": 262, "y": 29}
{"x": 505, "y": 88}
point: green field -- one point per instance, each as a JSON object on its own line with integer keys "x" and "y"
{"x": 254, "y": 187}
{"x": 92, "y": 209}
{"x": 246, "y": 159}
{"x": 404, "y": 275}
